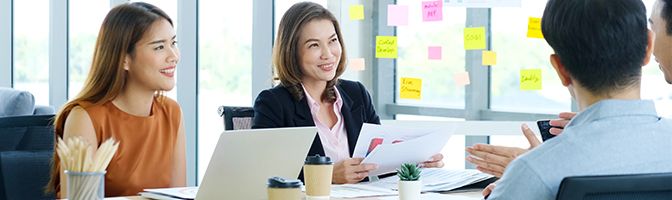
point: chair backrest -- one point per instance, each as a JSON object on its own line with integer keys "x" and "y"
{"x": 632, "y": 186}
{"x": 26, "y": 149}
{"x": 236, "y": 118}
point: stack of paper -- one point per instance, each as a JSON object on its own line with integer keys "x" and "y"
{"x": 433, "y": 180}
{"x": 181, "y": 193}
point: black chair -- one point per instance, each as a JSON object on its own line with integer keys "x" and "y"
{"x": 633, "y": 186}
{"x": 236, "y": 118}
{"x": 26, "y": 149}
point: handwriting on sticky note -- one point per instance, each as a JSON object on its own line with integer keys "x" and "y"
{"x": 434, "y": 53}
{"x": 462, "y": 78}
{"x": 386, "y": 46}
{"x": 357, "y": 12}
{"x": 397, "y": 15}
{"x": 530, "y": 79}
{"x": 534, "y": 28}
{"x": 357, "y": 64}
{"x": 474, "y": 38}
{"x": 432, "y": 10}
{"x": 489, "y": 58}
{"x": 410, "y": 88}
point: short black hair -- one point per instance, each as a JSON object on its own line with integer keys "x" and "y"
{"x": 666, "y": 14}
{"x": 601, "y": 43}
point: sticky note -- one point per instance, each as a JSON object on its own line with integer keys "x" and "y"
{"x": 434, "y": 53}
{"x": 357, "y": 12}
{"x": 474, "y": 38}
{"x": 461, "y": 78}
{"x": 410, "y": 88}
{"x": 432, "y": 10}
{"x": 357, "y": 64}
{"x": 386, "y": 46}
{"x": 489, "y": 58}
{"x": 534, "y": 28}
{"x": 397, "y": 15}
{"x": 530, "y": 79}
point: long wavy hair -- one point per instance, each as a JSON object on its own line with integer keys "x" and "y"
{"x": 286, "y": 50}
{"x": 122, "y": 28}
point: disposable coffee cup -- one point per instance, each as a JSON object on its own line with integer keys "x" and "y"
{"x": 284, "y": 189}
{"x": 317, "y": 172}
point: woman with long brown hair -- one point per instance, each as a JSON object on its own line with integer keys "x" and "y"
{"x": 134, "y": 62}
{"x": 309, "y": 57}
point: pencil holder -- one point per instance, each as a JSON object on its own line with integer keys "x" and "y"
{"x": 85, "y": 185}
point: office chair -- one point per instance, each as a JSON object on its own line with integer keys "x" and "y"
{"x": 632, "y": 186}
{"x": 26, "y": 148}
{"x": 236, "y": 118}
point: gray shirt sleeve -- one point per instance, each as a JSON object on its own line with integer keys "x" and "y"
{"x": 521, "y": 182}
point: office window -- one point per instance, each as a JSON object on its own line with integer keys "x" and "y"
{"x": 453, "y": 152}
{"x": 31, "y": 48}
{"x": 225, "y": 68}
{"x": 439, "y": 86}
{"x": 86, "y": 17}
{"x": 515, "y": 52}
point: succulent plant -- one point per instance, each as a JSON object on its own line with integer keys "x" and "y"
{"x": 409, "y": 172}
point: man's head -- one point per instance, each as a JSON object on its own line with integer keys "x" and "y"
{"x": 600, "y": 45}
{"x": 661, "y": 24}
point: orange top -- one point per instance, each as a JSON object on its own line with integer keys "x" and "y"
{"x": 146, "y": 145}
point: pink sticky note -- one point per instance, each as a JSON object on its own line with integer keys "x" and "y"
{"x": 462, "y": 78}
{"x": 357, "y": 64}
{"x": 432, "y": 10}
{"x": 434, "y": 53}
{"x": 397, "y": 15}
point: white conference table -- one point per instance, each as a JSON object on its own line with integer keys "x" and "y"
{"x": 467, "y": 195}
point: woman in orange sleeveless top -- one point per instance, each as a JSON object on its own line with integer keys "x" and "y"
{"x": 134, "y": 62}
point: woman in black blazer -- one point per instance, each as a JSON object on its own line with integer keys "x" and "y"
{"x": 309, "y": 58}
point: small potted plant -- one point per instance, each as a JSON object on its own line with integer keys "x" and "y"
{"x": 409, "y": 182}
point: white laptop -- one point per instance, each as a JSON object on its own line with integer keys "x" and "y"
{"x": 244, "y": 160}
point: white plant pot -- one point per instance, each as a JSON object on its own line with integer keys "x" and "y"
{"x": 410, "y": 190}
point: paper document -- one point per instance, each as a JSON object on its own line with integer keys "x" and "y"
{"x": 389, "y": 146}
{"x": 435, "y": 196}
{"x": 433, "y": 180}
{"x": 170, "y": 193}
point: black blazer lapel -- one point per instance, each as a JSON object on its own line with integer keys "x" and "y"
{"x": 351, "y": 119}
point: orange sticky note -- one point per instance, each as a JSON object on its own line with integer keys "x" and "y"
{"x": 474, "y": 38}
{"x": 534, "y": 28}
{"x": 530, "y": 79}
{"x": 357, "y": 12}
{"x": 410, "y": 88}
{"x": 386, "y": 46}
{"x": 357, "y": 64}
{"x": 489, "y": 58}
{"x": 462, "y": 78}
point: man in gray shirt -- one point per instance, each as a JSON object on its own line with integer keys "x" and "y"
{"x": 600, "y": 47}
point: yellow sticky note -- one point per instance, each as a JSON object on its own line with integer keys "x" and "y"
{"x": 530, "y": 79}
{"x": 411, "y": 88}
{"x": 462, "y": 78}
{"x": 489, "y": 58}
{"x": 474, "y": 38}
{"x": 386, "y": 46}
{"x": 534, "y": 28}
{"x": 357, "y": 12}
{"x": 357, "y": 64}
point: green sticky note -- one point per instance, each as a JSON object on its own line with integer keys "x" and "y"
{"x": 530, "y": 79}
{"x": 410, "y": 88}
{"x": 357, "y": 12}
{"x": 474, "y": 38}
{"x": 386, "y": 46}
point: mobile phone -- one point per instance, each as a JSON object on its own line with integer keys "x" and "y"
{"x": 545, "y": 129}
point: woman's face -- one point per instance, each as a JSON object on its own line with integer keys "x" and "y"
{"x": 319, "y": 51}
{"x": 152, "y": 64}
